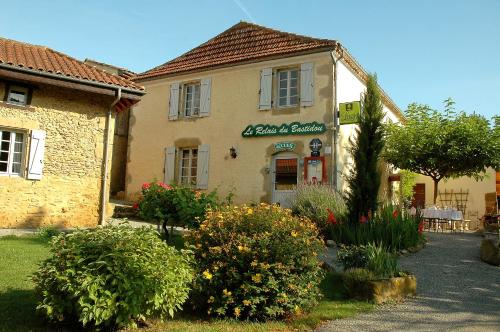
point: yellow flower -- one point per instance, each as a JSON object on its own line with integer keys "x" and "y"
{"x": 257, "y": 278}
{"x": 294, "y": 233}
{"x": 265, "y": 266}
{"x": 243, "y": 249}
{"x": 249, "y": 211}
{"x": 211, "y": 299}
{"x": 246, "y": 302}
{"x": 237, "y": 312}
{"x": 226, "y": 292}
{"x": 254, "y": 263}
{"x": 207, "y": 274}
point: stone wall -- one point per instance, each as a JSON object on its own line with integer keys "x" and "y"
{"x": 68, "y": 194}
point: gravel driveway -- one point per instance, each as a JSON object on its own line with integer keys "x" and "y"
{"x": 456, "y": 292}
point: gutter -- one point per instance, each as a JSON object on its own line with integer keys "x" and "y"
{"x": 104, "y": 185}
{"x": 336, "y": 126}
{"x": 71, "y": 79}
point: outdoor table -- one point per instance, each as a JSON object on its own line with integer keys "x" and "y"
{"x": 447, "y": 215}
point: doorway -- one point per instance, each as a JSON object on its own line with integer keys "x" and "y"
{"x": 418, "y": 200}
{"x": 284, "y": 178}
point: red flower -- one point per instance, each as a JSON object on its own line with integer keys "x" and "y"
{"x": 331, "y": 217}
{"x": 363, "y": 220}
{"x": 421, "y": 227}
{"x": 164, "y": 185}
{"x": 146, "y": 186}
{"x": 136, "y": 206}
{"x": 395, "y": 214}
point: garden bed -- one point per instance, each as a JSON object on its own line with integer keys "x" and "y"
{"x": 384, "y": 290}
{"x": 19, "y": 258}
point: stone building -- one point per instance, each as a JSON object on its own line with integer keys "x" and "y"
{"x": 253, "y": 110}
{"x": 56, "y": 121}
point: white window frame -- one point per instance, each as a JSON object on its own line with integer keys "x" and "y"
{"x": 191, "y": 179}
{"x": 10, "y": 157}
{"x": 194, "y": 110}
{"x": 288, "y": 87}
{"x": 17, "y": 88}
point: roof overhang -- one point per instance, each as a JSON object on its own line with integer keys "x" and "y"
{"x": 30, "y": 75}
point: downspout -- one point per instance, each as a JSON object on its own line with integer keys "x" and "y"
{"x": 104, "y": 195}
{"x": 336, "y": 126}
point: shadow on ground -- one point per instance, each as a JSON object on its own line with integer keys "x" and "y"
{"x": 456, "y": 291}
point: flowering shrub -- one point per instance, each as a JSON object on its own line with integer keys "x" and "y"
{"x": 389, "y": 227}
{"x": 319, "y": 203}
{"x": 256, "y": 262}
{"x": 112, "y": 277}
{"x": 176, "y": 205}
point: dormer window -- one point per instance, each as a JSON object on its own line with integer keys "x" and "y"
{"x": 17, "y": 95}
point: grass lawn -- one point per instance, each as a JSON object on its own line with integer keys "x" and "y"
{"x": 19, "y": 257}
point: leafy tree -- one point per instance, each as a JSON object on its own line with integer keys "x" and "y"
{"x": 442, "y": 145}
{"x": 364, "y": 178}
{"x": 407, "y": 182}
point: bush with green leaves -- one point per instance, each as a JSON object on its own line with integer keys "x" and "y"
{"x": 390, "y": 227}
{"x": 47, "y": 232}
{"x": 256, "y": 263}
{"x": 318, "y": 202}
{"x": 372, "y": 257}
{"x": 112, "y": 276}
{"x": 175, "y": 205}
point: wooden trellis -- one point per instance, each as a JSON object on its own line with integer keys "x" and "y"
{"x": 457, "y": 199}
{"x": 461, "y": 198}
{"x": 446, "y": 198}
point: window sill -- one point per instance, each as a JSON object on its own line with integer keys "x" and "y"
{"x": 15, "y": 176}
{"x": 19, "y": 107}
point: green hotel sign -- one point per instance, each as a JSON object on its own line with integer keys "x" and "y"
{"x": 294, "y": 128}
{"x": 284, "y": 146}
{"x": 349, "y": 112}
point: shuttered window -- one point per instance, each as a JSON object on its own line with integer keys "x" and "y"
{"x": 11, "y": 152}
{"x": 188, "y": 166}
{"x": 288, "y": 88}
{"x": 192, "y": 99}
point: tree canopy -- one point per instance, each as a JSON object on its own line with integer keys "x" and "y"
{"x": 446, "y": 144}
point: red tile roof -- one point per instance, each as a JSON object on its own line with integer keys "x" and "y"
{"x": 242, "y": 42}
{"x": 44, "y": 60}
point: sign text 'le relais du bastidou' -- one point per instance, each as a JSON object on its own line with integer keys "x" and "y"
{"x": 294, "y": 128}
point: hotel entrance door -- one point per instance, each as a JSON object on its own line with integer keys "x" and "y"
{"x": 285, "y": 173}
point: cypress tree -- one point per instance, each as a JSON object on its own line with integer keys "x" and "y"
{"x": 365, "y": 149}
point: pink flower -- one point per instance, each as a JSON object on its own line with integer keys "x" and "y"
{"x": 331, "y": 217}
{"x": 363, "y": 220}
{"x": 146, "y": 186}
{"x": 395, "y": 214}
{"x": 164, "y": 185}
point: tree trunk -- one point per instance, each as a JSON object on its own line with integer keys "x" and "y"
{"x": 436, "y": 181}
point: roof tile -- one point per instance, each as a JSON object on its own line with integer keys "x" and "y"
{"x": 46, "y": 60}
{"x": 242, "y": 42}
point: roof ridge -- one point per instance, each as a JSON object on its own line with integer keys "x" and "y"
{"x": 289, "y": 33}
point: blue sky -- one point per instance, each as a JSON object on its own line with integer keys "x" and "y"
{"x": 422, "y": 50}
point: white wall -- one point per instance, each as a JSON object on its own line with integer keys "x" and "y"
{"x": 350, "y": 88}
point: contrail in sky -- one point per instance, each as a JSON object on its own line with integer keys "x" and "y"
{"x": 247, "y": 13}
